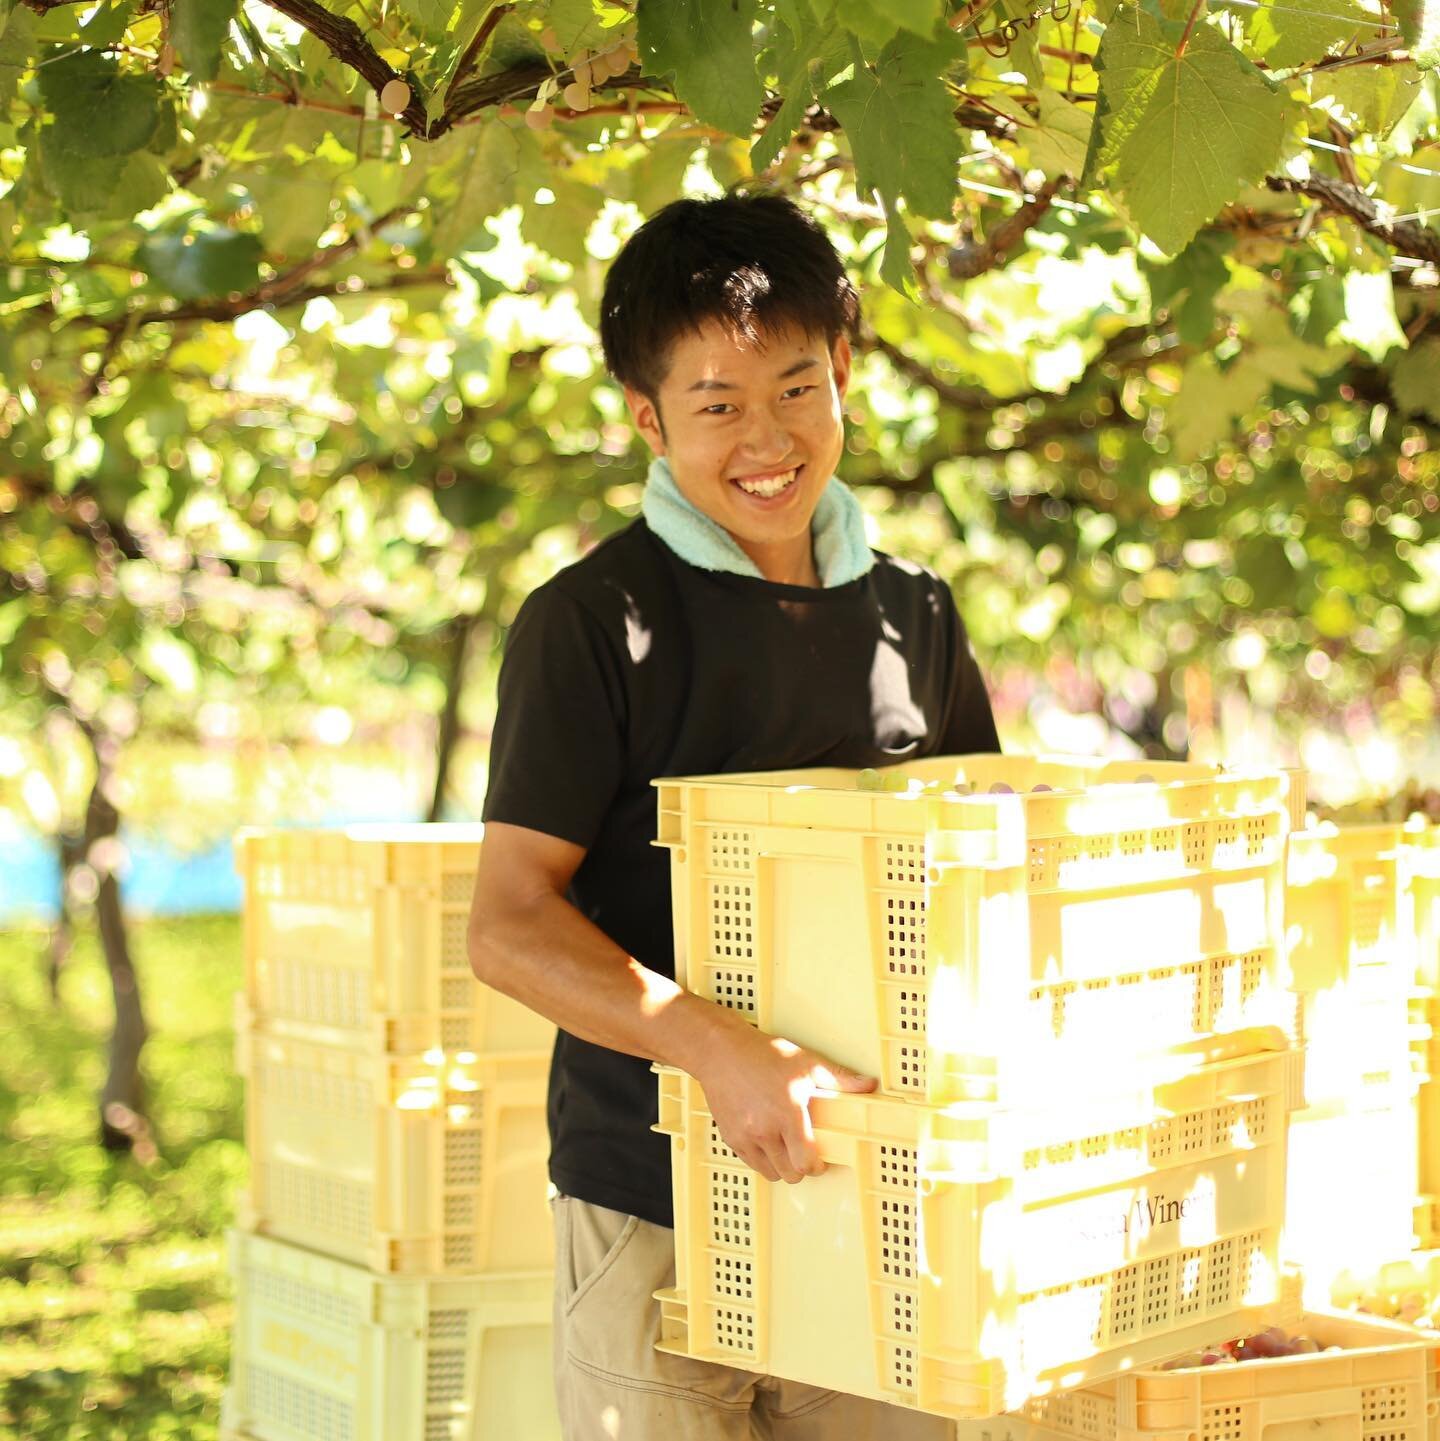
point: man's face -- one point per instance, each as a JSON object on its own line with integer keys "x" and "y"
{"x": 752, "y": 433}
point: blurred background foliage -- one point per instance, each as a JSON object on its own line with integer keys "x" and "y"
{"x": 300, "y": 395}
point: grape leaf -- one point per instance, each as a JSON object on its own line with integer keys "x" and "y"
{"x": 1183, "y": 131}
{"x": 707, "y": 46}
{"x": 100, "y": 187}
{"x": 1058, "y": 143}
{"x": 483, "y": 181}
{"x": 1290, "y": 35}
{"x": 897, "y": 116}
{"x": 879, "y": 23}
{"x": 1188, "y": 285}
{"x": 17, "y": 45}
{"x": 431, "y": 18}
{"x": 897, "y": 270}
{"x": 1420, "y": 27}
{"x": 1412, "y": 382}
{"x": 193, "y": 264}
{"x": 197, "y": 31}
{"x": 1377, "y": 98}
{"x": 806, "y": 56}
{"x": 575, "y": 23}
{"x": 1210, "y": 399}
{"x": 99, "y": 110}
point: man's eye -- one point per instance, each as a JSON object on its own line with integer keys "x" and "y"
{"x": 719, "y": 408}
{"x": 797, "y": 390}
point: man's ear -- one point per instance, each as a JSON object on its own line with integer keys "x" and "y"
{"x": 840, "y": 361}
{"x": 646, "y": 415}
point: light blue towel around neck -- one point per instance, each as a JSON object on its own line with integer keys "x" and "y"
{"x": 837, "y": 531}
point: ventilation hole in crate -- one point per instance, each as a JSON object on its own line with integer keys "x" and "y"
{"x": 461, "y": 1210}
{"x": 895, "y": 1166}
{"x": 444, "y": 1377}
{"x": 454, "y": 940}
{"x": 1061, "y": 1001}
{"x": 912, "y": 1011}
{"x": 1159, "y": 1292}
{"x": 1220, "y": 1274}
{"x": 1039, "y": 877}
{"x": 1195, "y": 843}
{"x": 458, "y": 1252}
{"x": 718, "y": 1150}
{"x": 1258, "y": 830}
{"x": 309, "y": 1201}
{"x": 904, "y": 863}
{"x": 271, "y": 1291}
{"x": 1132, "y": 843}
{"x": 457, "y": 887}
{"x": 1193, "y": 1129}
{"x": 902, "y": 1312}
{"x": 1253, "y": 1268}
{"x": 456, "y": 992}
{"x": 283, "y": 1404}
{"x": 905, "y": 935}
{"x": 735, "y": 990}
{"x": 455, "y": 1033}
{"x": 912, "y": 1067}
{"x": 731, "y": 1199}
{"x": 732, "y": 921}
{"x": 1124, "y": 1301}
{"x": 1189, "y": 1283}
{"x": 902, "y": 1368}
{"x": 1224, "y": 1126}
{"x": 1222, "y": 1423}
{"x": 1252, "y": 974}
{"x": 1094, "y": 1415}
{"x": 439, "y": 1428}
{"x": 1162, "y": 1139}
{"x": 1227, "y": 832}
{"x": 1255, "y": 1118}
{"x": 449, "y": 1325}
{"x": 462, "y": 1157}
{"x": 897, "y": 1238}
{"x": 731, "y": 850}
{"x": 1062, "y": 1153}
{"x": 1382, "y": 1404}
{"x": 732, "y": 1278}
{"x": 1092, "y": 1147}
{"x": 735, "y": 1330}
{"x": 1367, "y": 920}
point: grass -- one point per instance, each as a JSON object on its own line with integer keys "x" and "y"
{"x": 115, "y": 1306}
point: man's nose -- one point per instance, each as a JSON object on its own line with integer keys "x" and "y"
{"x": 766, "y": 439}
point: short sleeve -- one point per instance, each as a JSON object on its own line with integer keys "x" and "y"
{"x": 969, "y": 722}
{"x": 557, "y": 752}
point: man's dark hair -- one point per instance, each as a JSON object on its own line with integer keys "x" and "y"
{"x": 754, "y": 262}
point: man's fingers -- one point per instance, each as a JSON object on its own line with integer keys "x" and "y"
{"x": 830, "y": 1077}
{"x": 799, "y": 1141}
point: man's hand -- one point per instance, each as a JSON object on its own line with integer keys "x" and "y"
{"x": 759, "y": 1089}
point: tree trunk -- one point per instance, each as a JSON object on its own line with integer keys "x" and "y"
{"x": 62, "y": 934}
{"x": 457, "y": 653}
{"x": 123, "y": 1125}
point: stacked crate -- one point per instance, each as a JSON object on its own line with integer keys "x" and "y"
{"x": 393, "y": 1258}
{"x": 1070, "y": 979}
{"x": 1354, "y": 1176}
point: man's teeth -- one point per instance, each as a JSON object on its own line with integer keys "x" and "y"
{"x": 771, "y": 485}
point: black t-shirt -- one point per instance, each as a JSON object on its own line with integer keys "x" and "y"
{"x": 633, "y": 664}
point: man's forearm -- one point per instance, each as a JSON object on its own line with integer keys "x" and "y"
{"x": 551, "y": 958}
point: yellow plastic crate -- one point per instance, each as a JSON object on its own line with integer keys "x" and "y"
{"x": 1427, "y": 1106}
{"x": 1422, "y": 852}
{"x": 1409, "y": 1283}
{"x": 323, "y": 1351}
{"x": 1351, "y": 950}
{"x": 1351, "y": 1186}
{"x": 408, "y": 1166}
{"x": 961, "y": 1259}
{"x": 1384, "y": 1386}
{"x": 358, "y": 937}
{"x": 1065, "y": 915}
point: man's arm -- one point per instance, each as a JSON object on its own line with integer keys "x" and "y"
{"x": 527, "y": 940}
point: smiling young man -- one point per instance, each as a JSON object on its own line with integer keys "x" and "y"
{"x": 741, "y": 624}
